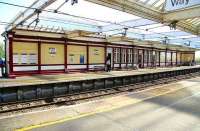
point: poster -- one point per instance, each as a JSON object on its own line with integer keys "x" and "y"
{"x": 96, "y": 52}
{"x": 71, "y": 58}
{"x": 15, "y": 58}
{"x": 32, "y": 58}
{"x": 52, "y": 51}
{"x": 24, "y": 58}
{"x": 81, "y": 59}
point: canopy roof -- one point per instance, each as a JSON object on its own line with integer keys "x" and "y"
{"x": 138, "y": 19}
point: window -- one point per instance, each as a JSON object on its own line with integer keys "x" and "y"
{"x": 135, "y": 56}
{"x": 157, "y": 56}
{"x": 162, "y": 57}
{"x": 150, "y": 56}
{"x": 123, "y": 55}
{"x": 168, "y": 57}
{"x": 174, "y": 57}
{"x": 116, "y": 55}
{"x": 145, "y": 56}
{"x": 130, "y": 55}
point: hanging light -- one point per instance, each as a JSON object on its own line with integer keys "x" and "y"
{"x": 74, "y": 2}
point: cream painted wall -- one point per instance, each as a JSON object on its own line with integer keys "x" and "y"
{"x": 187, "y": 57}
{"x": 96, "y": 55}
{"x": 197, "y": 57}
{"x": 20, "y": 48}
{"x": 74, "y": 52}
{"x": 48, "y": 58}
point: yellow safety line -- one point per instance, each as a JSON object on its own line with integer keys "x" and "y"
{"x": 91, "y": 113}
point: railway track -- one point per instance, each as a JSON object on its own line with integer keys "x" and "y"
{"x": 71, "y": 99}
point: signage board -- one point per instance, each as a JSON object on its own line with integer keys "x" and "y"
{"x": 15, "y": 58}
{"x": 180, "y": 4}
{"x": 52, "y": 51}
{"x": 33, "y": 58}
{"x": 24, "y": 58}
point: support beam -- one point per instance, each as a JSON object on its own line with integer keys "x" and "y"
{"x": 78, "y": 33}
{"x": 165, "y": 57}
{"x": 116, "y": 38}
{"x": 132, "y": 7}
{"x": 132, "y": 23}
{"x": 171, "y": 58}
{"x": 27, "y": 14}
{"x": 39, "y": 57}
{"x": 143, "y": 58}
{"x": 159, "y": 58}
{"x": 176, "y": 58}
{"x": 133, "y": 55}
{"x": 182, "y": 14}
{"x": 120, "y": 66}
{"x": 65, "y": 57}
{"x": 10, "y": 61}
{"x": 87, "y": 52}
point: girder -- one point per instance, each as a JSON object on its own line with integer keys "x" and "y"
{"x": 182, "y": 14}
{"x": 132, "y": 23}
{"x": 132, "y": 7}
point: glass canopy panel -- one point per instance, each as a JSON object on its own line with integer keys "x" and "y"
{"x": 91, "y": 17}
{"x": 160, "y": 2}
{"x": 150, "y": 2}
{"x": 156, "y": 4}
{"x": 93, "y": 11}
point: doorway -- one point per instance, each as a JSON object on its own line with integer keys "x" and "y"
{"x": 109, "y": 54}
{"x": 140, "y": 61}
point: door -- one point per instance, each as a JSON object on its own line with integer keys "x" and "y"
{"x": 140, "y": 58}
{"x": 140, "y": 61}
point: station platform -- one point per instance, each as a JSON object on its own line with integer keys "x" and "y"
{"x": 44, "y": 87}
{"x": 173, "y": 107}
{"x": 56, "y": 78}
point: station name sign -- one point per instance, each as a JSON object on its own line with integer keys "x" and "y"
{"x": 180, "y": 4}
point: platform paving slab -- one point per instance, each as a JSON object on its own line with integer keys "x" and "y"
{"x": 45, "y": 79}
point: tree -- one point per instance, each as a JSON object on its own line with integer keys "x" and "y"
{"x": 2, "y": 52}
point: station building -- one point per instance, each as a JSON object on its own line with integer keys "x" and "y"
{"x": 40, "y": 52}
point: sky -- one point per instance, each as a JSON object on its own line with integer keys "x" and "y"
{"x": 8, "y": 12}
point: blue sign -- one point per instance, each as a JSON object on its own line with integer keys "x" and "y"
{"x": 81, "y": 59}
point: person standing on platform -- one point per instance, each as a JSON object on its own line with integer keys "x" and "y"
{"x": 153, "y": 61}
{"x": 1, "y": 66}
{"x": 108, "y": 64}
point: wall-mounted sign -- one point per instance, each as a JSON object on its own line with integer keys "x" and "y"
{"x": 24, "y": 58}
{"x": 96, "y": 52}
{"x": 81, "y": 59}
{"x": 71, "y": 58}
{"x": 180, "y": 4}
{"x": 52, "y": 51}
{"x": 15, "y": 58}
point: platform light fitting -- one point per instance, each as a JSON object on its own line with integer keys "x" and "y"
{"x": 74, "y": 2}
{"x": 172, "y": 25}
{"x": 187, "y": 44}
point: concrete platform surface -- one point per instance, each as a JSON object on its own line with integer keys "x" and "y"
{"x": 170, "y": 107}
{"x": 43, "y": 79}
